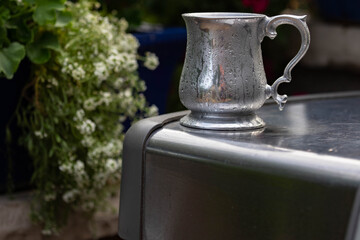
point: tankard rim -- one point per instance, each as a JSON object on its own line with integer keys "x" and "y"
{"x": 223, "y": 15}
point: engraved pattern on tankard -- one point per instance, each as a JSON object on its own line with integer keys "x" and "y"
{"x": 223, "y": 81}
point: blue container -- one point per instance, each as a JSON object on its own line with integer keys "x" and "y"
{"x": 169, "y": 45}
{"x": 335, "y": 10}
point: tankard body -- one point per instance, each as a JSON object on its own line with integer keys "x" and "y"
{"x": 223, "y": 80}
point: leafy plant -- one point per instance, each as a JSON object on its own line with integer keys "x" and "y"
{"x": 83, "y": 88}
{"x": 26, "y": 27}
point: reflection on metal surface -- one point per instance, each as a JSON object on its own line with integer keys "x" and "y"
{"x": 223, "y": 74}
{"x": 233, "y": 135}
{"x": 297, "y": 118}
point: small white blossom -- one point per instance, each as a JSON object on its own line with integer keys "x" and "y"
{"x": 128, "y": 92}
{"x": 66, "y": 167}
{"x": 101, "y": 71}
{"x": 78, "y": 73}
{"x": 49, "y": 197}
{"x": 90, "y": 104}
{"x": 71, "y": 156}
{"x": 122, "y": 118}
{"x": 70, "y": 196}
{"x": 87, "y": 141}
{"x": 112, "y": 148}
{"x": 151, "y": 61}
{"x": 80, "y": 55}
{"x": 86, "y": 127}
{"x": 119, "y": 82}
{"x": 79, "y": 115}
{"x": 81, "y": 178}
{"x": 53, "y": 81}
{"x": 40, "y": 134}
{"x": 100, "y": 179}
{"x": 123, "y": 24}
{"x": 79, "y": 166}
{"x": 153, "y": 110}
{"x": 106, "y": 98}
{"x": 111, "y": 165}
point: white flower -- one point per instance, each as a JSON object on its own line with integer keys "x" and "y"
{"x": 100, "y": 179}
{"x": 90, "y": 104}
{"x": 122, "y": 118}
{"x": 66, "y": 167}
{"x": 101, "y": 71}
{"x": 80, "y": 56}
{"x": 79, "y": 166}
{"x": 153, "y": 110}
{"x": 119, "y": 82}
{"x": 54, "y": 82}
{"x": 123, "y": 24}
{"x": 78, "y": 73}
{"x": 87, "y": 141}
{"x": 71, "y": 156}
{"x": 107, "y": 150}
{"x": 106, "y": 98}
{"x": 151, "y": 61}
{"x": 106, "y": 28}
{"x": 70, "y": 196}
{"x": 86, "y": 127}
{"x": 81, "y": 178}
{"x": 49, "y": 197}
{"x": 79, "y": 115}
{"x": 111, "y": 165}
{"x": 128, "y": 92}
{"x": 40, "y": 134}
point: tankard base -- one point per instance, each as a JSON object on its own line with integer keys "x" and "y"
{"x": 221, "y": 121}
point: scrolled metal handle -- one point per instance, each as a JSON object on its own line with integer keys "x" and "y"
{"x": 270, "y": 30}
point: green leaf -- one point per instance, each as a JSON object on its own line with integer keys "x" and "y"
{"x": 37, "y": 54}
{"x": 51, "y": 152}
{"x": 50, "y": 41}
{"x": 4, "y": 14}
{"x": 39, "y": 51}
{"x": 3, "y": 35}
{"x": 63, "y": 18}
{"x": 29, "y": 1}
{"x": 10, "y": 59}
{"x": 23, "y": 32}
{"x": 45, "y": 11}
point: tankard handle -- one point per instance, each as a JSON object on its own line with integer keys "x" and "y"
{"x": 270, "y": 30}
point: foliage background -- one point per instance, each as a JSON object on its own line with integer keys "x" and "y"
{"x": 82, "y": 88}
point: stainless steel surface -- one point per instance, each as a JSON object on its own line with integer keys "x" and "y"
{"x": 223, "y": 80}
{"x": 297, "y": 178}
{"x": 132, "y": 182}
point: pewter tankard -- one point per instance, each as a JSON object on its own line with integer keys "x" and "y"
{"x": 223, "y": 80}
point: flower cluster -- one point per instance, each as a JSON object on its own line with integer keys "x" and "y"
{"x": 151, "y": 61}
{"x": 82, "y": 97}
